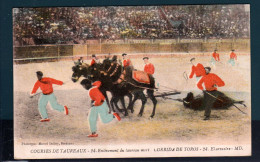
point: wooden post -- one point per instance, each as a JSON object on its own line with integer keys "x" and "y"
{"x": 100, "y": 45}
{"x": 58, "y": 52}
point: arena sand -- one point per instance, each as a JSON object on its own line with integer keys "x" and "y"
{"x": 172, "y": 122}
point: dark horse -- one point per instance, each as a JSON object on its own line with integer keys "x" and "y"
{"x": 222, "y": 102}
{"x": 124, "y": 83}
{"x": 91, "y": 73}
{"x": 119, "y": 82}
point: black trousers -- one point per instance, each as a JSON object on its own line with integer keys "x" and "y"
{"x": 209, "y": 99}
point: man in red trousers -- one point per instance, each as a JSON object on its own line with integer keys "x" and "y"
{"x": 211, "y": 81}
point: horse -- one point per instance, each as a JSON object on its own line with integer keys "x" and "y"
{"x": 91, "y": 73}
{"x": 119, "y": 82}
{"x": 222, "y": 102}
{"x": 124, "y": 81}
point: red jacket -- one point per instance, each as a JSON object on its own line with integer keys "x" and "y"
{"x": 96, "y": 95}
{"x": 216, "y": 56}
{"x": 197, "y": 70}
{"x": 46, "y": 85}
{"x": 126, "y": 62}
{"x": 233, "y": 55}
{"x": 93, "y": 61}
{"x": 210, "y": 80}
{"x": 149, "y": 68}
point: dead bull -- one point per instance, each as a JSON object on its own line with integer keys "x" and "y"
{"x": 221, "y": 102}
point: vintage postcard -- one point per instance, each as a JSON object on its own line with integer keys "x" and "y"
{"x": 132, "y": 81}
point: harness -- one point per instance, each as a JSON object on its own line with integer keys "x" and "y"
{"x": 115, "y": 70}
{"x": 122, "y": 77}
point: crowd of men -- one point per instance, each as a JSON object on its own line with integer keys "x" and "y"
{"x": 76, "y": 25}
{"x": 209, "y": 21}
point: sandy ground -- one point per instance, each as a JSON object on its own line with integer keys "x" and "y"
{"x": 172, "y": 122}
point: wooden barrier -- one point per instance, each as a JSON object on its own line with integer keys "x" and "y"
{"x": 54, "y": 52}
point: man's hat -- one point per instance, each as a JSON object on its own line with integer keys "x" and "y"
{"x": 215, "y": 50}
{"x": 146, "y": 58}
{"x": 209, "y": 69}
{"x": 192, "y": 59}
{"x": 232, "y": 50}
{"x": 124, "y": 54}
{"x": 39, "y": 73}
{"x": 93, "y": 55}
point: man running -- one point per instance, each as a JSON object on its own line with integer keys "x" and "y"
{"x": 211, "y": 82}
{"x": 47, "y": 95}
{"x": 215, "y": 57}
{"x": 99, "y": 106}
{"x": 232, "y": 58}
{"x": 197, "y": 69}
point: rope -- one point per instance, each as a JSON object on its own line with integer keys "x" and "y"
{"x": 140, "y": 86}
{"x": 239, "y": 109}
{"x": 167, "y": 87}
{"x": 180, "y": 100}
{"x": 213, "y": 96}
{"x": 222, "y": 101}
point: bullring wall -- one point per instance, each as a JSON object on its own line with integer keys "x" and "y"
{"x": 56, "y": 51}
{"x": 43, "y": 51}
